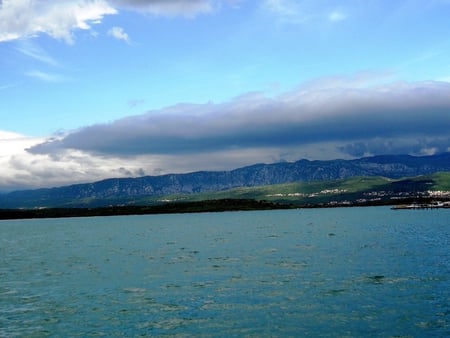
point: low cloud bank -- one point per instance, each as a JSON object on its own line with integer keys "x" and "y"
{"x": 360, "y": 120}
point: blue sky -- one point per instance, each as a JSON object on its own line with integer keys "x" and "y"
{"x": 101, "y": 88}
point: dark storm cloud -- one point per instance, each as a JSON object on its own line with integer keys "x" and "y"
{"x": 354, "y": 115}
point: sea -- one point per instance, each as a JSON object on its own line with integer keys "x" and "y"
{"x": 338, "y": 272}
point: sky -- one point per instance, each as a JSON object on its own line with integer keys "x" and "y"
{"x": 92, "y": 89}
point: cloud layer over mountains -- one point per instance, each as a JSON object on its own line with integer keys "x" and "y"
{"x": 360, "y": 119}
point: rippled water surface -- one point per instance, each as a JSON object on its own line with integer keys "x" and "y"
{"x": 324, "y": 272}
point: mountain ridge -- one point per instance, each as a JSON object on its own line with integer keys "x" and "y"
{"x": 390, "y": 166}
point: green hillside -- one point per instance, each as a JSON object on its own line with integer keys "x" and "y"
{"x": 362, "y": 189}
{"x": 441, "y": 181}
{"x": 352, "y": 191}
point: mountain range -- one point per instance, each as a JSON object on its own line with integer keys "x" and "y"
{"x": 117, "y": 190}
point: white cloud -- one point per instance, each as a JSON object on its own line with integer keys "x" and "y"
{"x": 36, "y": 52}
{"x": 119, "y": 34}
{"x": 11, "y": 145}
{"x": 61, "y": 18}
{"x": 45, "y": 76}
{"x": 337, "y": 16}
{"x": 28, "y": 18}
{"x": 168, "y": 8}
{"x": 12, "y": 142}
{"x": 22, "y": 170}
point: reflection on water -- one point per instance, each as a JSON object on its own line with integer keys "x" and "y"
{"x": 328, "y": 272}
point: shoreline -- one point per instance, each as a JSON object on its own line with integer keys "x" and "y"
{"x": 167, "y": 208}
{"x": 220, "y": 205}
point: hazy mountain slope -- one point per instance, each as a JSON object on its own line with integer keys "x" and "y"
{"x": 391, "y": 166}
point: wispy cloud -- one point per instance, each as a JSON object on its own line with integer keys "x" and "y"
{"x": 168, "y": 8}
{"x": 303, "y": 12}
{"x": 45, "y": 76}
{"x": 135, "y": 102}
{"x": 287, "y": 11}
{"x": 34, "y": 51}
{"x": 282, "y": 7}
{"x": 7, "y": 86}
{"x": 119, "y": 34}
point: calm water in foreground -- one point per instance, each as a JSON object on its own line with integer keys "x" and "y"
{"x": 364, "y": 272}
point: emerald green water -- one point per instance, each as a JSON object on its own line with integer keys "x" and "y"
{"x": 326, "y": 272}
